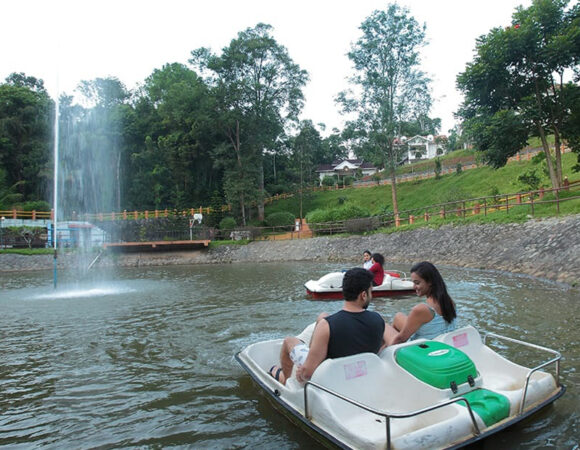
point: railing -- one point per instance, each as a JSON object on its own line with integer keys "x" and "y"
{"x": 556, "y": 360}
{"x": 385, "y": 414}
{"x": 463, "y": 208}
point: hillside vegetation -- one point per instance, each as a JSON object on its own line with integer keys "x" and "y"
{"x": 474, "y": 183}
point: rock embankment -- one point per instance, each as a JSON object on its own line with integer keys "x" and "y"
{"x": 547, "y": 248}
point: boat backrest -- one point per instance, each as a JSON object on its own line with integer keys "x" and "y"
{"x": 361, "y": 377}
{"x": 466, "y": 339}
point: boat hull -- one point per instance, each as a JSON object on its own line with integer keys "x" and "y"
{"x": 330, "y": 286}
{"x": 447, "y": 426}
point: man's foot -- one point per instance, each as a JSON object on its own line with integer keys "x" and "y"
{"x": 277, "y": 374}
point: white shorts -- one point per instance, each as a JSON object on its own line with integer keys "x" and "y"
{"x": 299, "y": 354}
{"x": 306, "y": 335}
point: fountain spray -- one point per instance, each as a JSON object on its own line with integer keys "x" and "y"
{"x": 55, "y": 206}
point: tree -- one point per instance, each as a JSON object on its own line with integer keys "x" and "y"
{"x": 305, "y": 145}
{"x": 515, "y": 88}
{"x": 258, "y": 90}
{"x": 392, "y": 88}
{"x": 25, "y": 132}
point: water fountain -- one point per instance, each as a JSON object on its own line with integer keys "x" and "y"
{"x": 86, "y": 155}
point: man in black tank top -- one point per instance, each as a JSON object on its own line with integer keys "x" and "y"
{"x": 350, "y": 331}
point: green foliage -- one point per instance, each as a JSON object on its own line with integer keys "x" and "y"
{"x": 228, "y": 223}
{"x": 458, "y": 168}
{"x": 39, "y": 205}
{"x": 342, "y": 200}
{"x": 437, "y": 168}
{"x": 530, "y": 180}
{"x": 516, "y": 86}
{"x": 394, "y": 89}
{"x": 279, "y": 219}
{"x": 328, "y": 181}
{"x": 348, "y": 211}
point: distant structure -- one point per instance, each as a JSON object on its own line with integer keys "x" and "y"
{"x": 345, "y": 167}
{"x": 422, "y": 147}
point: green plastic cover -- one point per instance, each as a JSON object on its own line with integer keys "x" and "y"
{"x": 490, "y": 406}
{"x": 436, "y": 363}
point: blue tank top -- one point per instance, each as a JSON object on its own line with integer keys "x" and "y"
{"x": 353, "y": 333}
{"x": 436, "y": 326}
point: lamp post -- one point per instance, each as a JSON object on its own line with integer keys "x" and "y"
{"x": 2, "y": 232}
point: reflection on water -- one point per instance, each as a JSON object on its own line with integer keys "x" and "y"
{"x": 148, "y": 360}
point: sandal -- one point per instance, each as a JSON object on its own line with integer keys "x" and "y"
{"x": 276, "y": 375}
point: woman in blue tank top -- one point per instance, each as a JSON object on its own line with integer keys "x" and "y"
{"x": 426, "y": 320}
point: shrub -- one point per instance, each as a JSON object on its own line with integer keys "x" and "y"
{"x": 348, "y": 181}
{"x": 530, "y": 180}
{"x": 280, "y": 219}
{"x": 38, "y": 205}
{"x": 328, "y": 181}
{"x": 348, "y": 211}
{"x": 227, "y": 223}
{"x": 362, "y": 225}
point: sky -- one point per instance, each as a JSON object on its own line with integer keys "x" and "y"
{"x": 64, "y": 42}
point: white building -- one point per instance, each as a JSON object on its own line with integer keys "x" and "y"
{"x": 422, "y": 147}
{"x": 345, "y": 167}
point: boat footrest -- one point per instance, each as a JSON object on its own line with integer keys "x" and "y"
{"x": 490, "y": 406}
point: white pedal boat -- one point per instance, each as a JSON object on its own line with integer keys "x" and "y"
{"x": 330, "y": 285}
{"x": 444, "y": 393}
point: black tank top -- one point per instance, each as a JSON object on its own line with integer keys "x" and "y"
{"x": 352, "y": 333}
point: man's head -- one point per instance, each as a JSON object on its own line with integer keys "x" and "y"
{"x": 355, "y": 282}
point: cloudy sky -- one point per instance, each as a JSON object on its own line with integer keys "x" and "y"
{"x": 66, "y": 41}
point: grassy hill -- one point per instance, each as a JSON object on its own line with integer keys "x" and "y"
{"x": 480, "y": 182}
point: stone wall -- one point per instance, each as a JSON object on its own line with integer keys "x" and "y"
{"x": 548, "y": 248}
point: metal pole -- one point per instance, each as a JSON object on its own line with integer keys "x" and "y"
{"x": 2, "y": 232}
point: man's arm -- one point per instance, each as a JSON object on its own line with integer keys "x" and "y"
{"x": 317, "y": 352}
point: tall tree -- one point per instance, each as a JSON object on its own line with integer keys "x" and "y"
{"x": 515, "y": 87}
{"x": 392, "y": 88}
{"x": 25, "y": 130}
{"x": 259, "y": 89}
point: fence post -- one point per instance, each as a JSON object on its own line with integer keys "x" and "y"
{"x": 113, "y": 215}
{"x": 566, "y": 183}
{"x": 485, "y": 207}
{"x": 52, "y": 215}
{"x": 476, "y": 208}
{"x": 507, "y": 204}
{"x": 519, "y": 199}
{"x": 411, "y": 219}
{"x": 557, "y": 192}
{"x": 146, "y": 214}
{"x": 33, "y": 214}
{"x": 397, "y": 221}
{"x": 426, "y": 216}
{"x": 135, "y": 215}
{"x": 442, "y": 213}
{"x": 166, "y": 212}
{"x": 124, "y": 214}
{"x": 156, "y": 213}
{"x": 532, "y": 203}
{"x": 541, "y": 193}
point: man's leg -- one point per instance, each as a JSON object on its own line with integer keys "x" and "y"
{"x": 289, "y": 343}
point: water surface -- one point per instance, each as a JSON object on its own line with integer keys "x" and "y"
{"x": 147, "y": 360}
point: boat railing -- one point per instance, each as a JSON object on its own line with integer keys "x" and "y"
{"x": 386, "y": 414}
{"x": 556, "y": 360}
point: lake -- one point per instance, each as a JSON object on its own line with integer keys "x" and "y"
{"x": 146, "y": 358}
